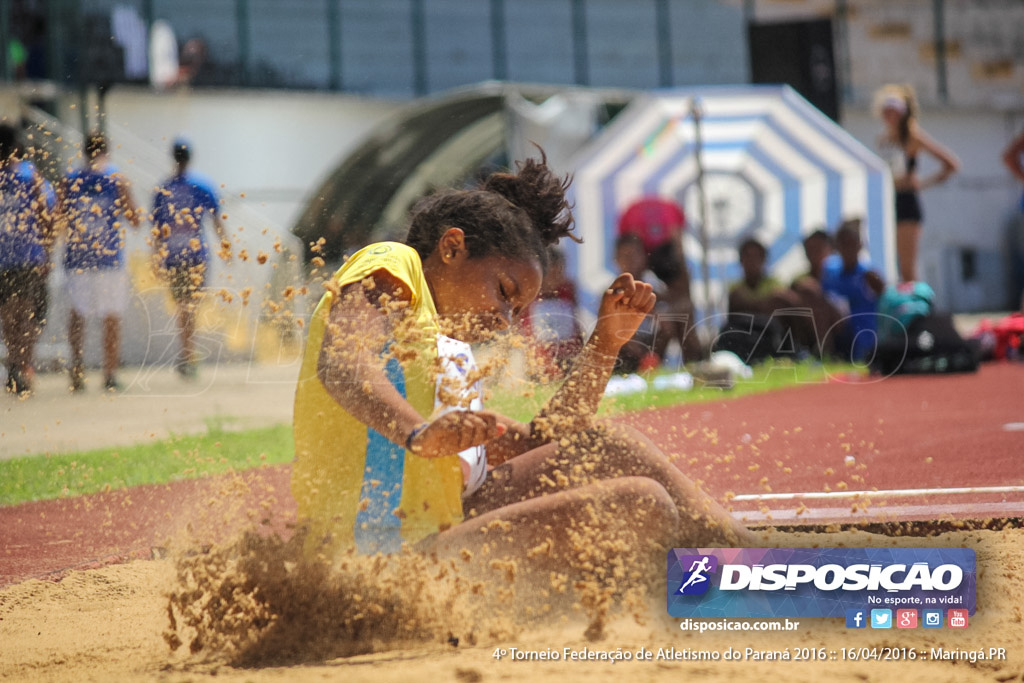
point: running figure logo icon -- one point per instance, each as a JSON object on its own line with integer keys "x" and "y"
{"x": 697, "y": 580}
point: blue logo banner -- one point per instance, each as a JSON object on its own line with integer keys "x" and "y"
{"x": 818, "y": 582}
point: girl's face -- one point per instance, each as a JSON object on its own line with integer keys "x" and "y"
{"x": 480, "y": 296}
{"x": 891, "y": 116}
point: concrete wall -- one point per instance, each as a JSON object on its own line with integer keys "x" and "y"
{"x": 272, "y": 146}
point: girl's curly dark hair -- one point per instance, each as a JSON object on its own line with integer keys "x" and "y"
{"x": 514, "y": 214}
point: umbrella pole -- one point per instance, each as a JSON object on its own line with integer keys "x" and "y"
{"x": 697, "y": 113}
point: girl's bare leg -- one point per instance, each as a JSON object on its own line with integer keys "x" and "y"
{"x": 908, "y": 234}
{"x": 76, "y": 339}
{"x": 573, "y": 532}
{"x": 609, "y": 452}
{"x": 111, "y": 346}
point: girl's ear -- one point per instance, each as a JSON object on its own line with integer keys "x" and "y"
{"x": 452, "y": 245}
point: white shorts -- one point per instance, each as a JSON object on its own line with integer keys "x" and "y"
{"x": 98, "y": 293}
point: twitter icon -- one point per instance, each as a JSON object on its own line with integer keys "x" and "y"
{"x": 881, "y": 618}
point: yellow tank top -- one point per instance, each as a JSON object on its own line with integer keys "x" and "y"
{"x": 352, "y": 485}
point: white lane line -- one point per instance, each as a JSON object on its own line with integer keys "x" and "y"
{"x": 885, "y": 492}
{"x": 891, "y": 513}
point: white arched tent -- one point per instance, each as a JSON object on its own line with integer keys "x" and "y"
{"x": 774, "y": 167}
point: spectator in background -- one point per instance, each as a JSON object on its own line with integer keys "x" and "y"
{"x": 1013, "y": 158}
{"x": 179, "y": 206}
{"x": 638, "y": 353}
{"x": 766, "y": 318}
{"x": 856, "y": 288}
{"x": 95, "y": 201}
{"x": 901, "y": 143}
{"x": 809, "y": 294}
{"x": 191, "y": 60}
{"x": 551, "y": 321}
{"x": 758, "y": 293}
{"x": 659, "y": 223}
{"x": 26, "y": 242}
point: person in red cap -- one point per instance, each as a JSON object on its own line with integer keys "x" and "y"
{"x": 659, "y": 223}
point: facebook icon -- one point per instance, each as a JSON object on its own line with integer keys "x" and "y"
{"x": 856, "y": 618}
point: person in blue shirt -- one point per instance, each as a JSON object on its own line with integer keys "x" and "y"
{"x": 182, "y": 251}
{"x": 95, "y": 201}
{"x": 26, "y": 241}
{"x": 1013, "y": 158}
{"x": 854, "y": 288}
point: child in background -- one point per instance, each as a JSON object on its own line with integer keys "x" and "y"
{"x": 551, "y": 323}
{"x": 95, "y": 203}
{"x": 855, "y": 288}
{"x": 391, "y": 445}
{"x": 660, "y": 222}
{"x": 638, "y": 353}
{"x": 807, "y": 287}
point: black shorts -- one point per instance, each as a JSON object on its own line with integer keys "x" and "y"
{"x": 186, "y": 282}
{"x": 28, "y": 284}
{"x": 908, "y": 207}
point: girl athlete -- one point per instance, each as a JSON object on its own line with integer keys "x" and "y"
{"x": 392, "y": 444}
{"x": 900, "y": 143}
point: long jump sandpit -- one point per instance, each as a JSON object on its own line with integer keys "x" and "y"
{"x": 904, "y": 462}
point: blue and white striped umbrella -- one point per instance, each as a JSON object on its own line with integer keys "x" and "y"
{"x": 775, "y": 168}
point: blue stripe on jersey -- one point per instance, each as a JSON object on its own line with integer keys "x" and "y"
{"x": 377, "y": 528}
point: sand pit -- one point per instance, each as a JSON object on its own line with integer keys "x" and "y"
{"x": 111, "y": 624}
{"x": 283, "y": 622}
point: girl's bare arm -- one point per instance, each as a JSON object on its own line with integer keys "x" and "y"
{"x": 1012, "y": 157}
{"x": 573, "y": 406}
{"x": 351, "y": 368}
{"x": 947, "y": 160}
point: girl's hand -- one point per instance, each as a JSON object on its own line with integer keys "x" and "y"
{"x": 454, "y": 432}
{"x": 623, "y": 307}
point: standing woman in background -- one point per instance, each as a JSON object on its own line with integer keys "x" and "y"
{"x": 900, "y": 144}
{"x": 1013, "y": 159}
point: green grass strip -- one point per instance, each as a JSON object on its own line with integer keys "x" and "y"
{"x": 43, "y": 477}
{"x": 771, "y": 375}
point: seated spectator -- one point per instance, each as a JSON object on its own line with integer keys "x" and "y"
{"x": 551, "y": 321}
{"x": 638, "y": 353}
{"x": 855, "y": 287}
{"x": 810, "y": 295}
{"x": 766, "y": 318}
{"x": 660, "y": 223}
{"x": 758, "y": 293}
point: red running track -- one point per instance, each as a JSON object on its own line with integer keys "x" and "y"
{"x": 894, "y": 449}
{"x": 898, "y": 449}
